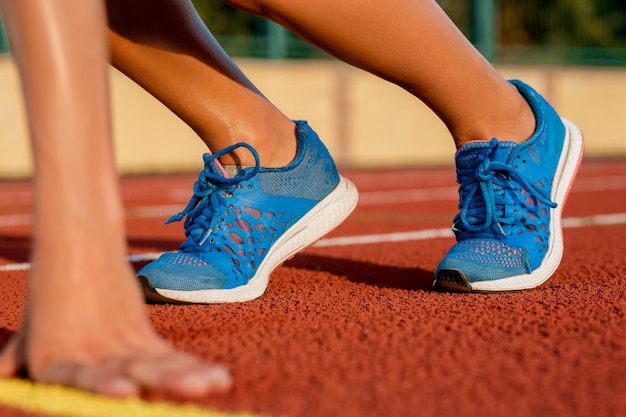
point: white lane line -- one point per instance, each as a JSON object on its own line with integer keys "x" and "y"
{"x": 597, "y": 220}
{"x": 366, "y": 198}
{"x": 410, "y": 195}
{"x": 608, "y": 183}
{"x": 15, "y": 267}
{"x": 384, "y": 238}
{"x": 143, "y": 212}
{"x": 152, "y": 212}
{"x": 426, "y": 234}
{"x": 177, "y": 194}
{"x": 10, "y": 220}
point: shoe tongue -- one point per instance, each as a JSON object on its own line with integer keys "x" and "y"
{"x": 233, "y": 170}
{"x": 471, "y": 154}
{"x": 216, "y": 167}
{"x": 225, "y": 171}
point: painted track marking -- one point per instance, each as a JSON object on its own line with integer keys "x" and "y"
{"x": 425, "y": 234}
{"x": 367, "y": 198}
{"x": 55, "y": 400}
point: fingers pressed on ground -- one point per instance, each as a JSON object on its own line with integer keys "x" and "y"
{"x": 180, "y": 374}
{"x": 203, "y": 379}
{"x": 89, "y": 377}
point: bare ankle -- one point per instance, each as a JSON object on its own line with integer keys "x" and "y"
{"x": 275, "y": 143}
{"x": 515, "y": 123}
{"x": 280, "y": 148}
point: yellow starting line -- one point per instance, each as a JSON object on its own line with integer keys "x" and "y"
{"x": 54, "y": 400}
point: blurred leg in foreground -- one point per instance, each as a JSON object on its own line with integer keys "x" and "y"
{"x": 85, "y": 323}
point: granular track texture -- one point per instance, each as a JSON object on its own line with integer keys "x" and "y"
{"x": 356, "y": 331}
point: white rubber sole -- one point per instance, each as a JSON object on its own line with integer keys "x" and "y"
{"x": 563, "y": 179}
{"x": 321, "y": 219}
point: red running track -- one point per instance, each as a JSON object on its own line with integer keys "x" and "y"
{"x": 350, "y": 327}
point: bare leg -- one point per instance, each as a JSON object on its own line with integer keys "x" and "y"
{"x": 85, "y": 324}
{"x": 414, "y": 45}
{"x": 164, "y": 46}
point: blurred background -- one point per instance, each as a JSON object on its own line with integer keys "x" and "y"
{"x": 587, "y": 32}
{"x": 571, "y": 51}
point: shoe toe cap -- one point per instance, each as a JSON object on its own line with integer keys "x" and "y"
{"x": 182, "y": 272}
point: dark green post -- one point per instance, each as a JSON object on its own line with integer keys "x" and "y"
{"x": 482, "y": 27}
{"x": 276, "y": 40}
{"x": 4, "y": 43}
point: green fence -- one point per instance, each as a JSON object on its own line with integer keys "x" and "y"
{"x": 4, "y": 45}
{"x": 589, "y": 32}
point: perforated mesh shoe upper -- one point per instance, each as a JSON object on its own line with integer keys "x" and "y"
{"x": 231, "y": 223}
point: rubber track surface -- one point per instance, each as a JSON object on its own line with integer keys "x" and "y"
{"x": 355, "y": 331}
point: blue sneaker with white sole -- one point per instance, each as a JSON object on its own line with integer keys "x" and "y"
{"x": 508, "y": 230}
{"x": 240, "y": 228}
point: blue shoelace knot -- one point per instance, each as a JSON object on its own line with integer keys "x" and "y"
{"x": 486, "y": 196}
{"x": 210, "y": 194}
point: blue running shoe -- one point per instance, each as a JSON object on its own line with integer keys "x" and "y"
{"x": 240, "y": 228}
{"x": 508, "y": 230}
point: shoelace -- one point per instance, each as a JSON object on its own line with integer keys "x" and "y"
{"x": 208, "y": 193}
{"x": 485, "y": 178}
